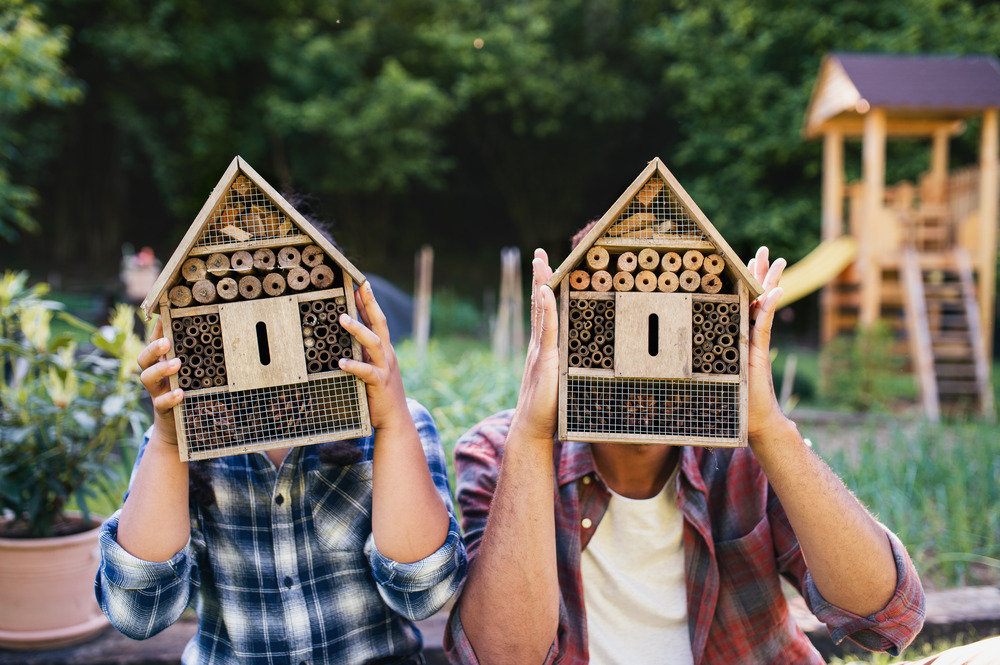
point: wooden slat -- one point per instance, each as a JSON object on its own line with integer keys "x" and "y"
{"x": 710, "y": 442}
{"x": 277, "y": 443}
{"x": 563, "y": 414}
{"x": 919, "y": 334}
{"x": 252, "y": 244}
{"x": 980, "y": 355}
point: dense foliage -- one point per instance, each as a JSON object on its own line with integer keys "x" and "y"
{"x": 402, "y": 121}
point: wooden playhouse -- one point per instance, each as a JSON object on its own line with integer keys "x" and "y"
{"x": 250, "y": 300}
{"x": 654, "y": 324}
{"x": 925, "y": 257}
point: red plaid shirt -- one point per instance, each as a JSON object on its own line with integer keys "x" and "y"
{"x": 737, "y": 542}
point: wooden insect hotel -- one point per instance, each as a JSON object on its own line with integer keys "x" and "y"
{"x": 919, "y": 256}
{"x": 251, "y": 299}
{"x": 654, "y": 307}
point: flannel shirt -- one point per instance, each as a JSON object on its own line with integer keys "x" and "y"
{"x": 283, "y": 567}
{"x": 738, "y": 543}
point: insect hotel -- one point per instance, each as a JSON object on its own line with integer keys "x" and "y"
{"x": 250, "y": 300}
{"x": 654, "y": 324}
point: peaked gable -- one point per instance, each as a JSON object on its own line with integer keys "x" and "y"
{"x": 656, "y": 211}
{"x": 243, "y": 212}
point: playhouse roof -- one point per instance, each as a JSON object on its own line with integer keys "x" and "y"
{"x": 656, "y": 167}
{"x": 929, "y": 87}
{"x": 198, "y": 233}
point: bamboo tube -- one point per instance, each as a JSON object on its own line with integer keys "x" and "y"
{"x": 624, "y": 281}
{"x": 324, "y": 356}
{"x": 194, "y": 270}
{"x": 184, "y": 382}
{"x": 308, "y": 342}
{"x": 573, "y": 333}
{"x": 274, "y": 284}
{"x": 314, "y": 367}
{"x": 321, "y": 332}
{"x": 698, "y": 319}
{"x": 309, "y": 319}
{"x": 575, "y": 314}
{"x": 711, "y": 283}
{"x": 601, "y": 280}
{"x": 733, "y": 368}
{"x": 575, "y": 360}
{"x": 726, "y": 340}
{"x": 298, "y": 278}
{"x": 722, "y": 308}
{"x": 690, "y": 281}
{"x": 717, "y": 350}
{"x": 250, "y": 287}
{"x": 587, "y": 314}
{"x": 708, "y": 357}
{"x": 206, "y": 338}
{"x": 585, "y": 361}
{"x": 598, "y": 258}
{"x": 217, "y": 342}
{"x": 671, "y": 262}
{"x": 180, "y": 296}
{"x": 217, "y": 265}
{"x": 579, "y": 280}
{"x": 713, "y": 264}
{"x": 197, "y": 356}
{"x": 177, "y": 325}
{"x": 227, "y": 288}
{"x": 627, "y": 262}
{"x": 667, "y": 282}
{"x": 318, "y": 307}
{"x": 321, "y": 276}
{"x": 645, "y": 281}
{"x": 733, "y": 328}
{"x": 219, "y": 380}
{"x": 242, "y": 262}
{"x": 219, "y": 360}
{"x": 312, "y": 256}
{"x": 264, "y": 260}
{"x": 608, "y": 363}
{"x": 730, "y": 354}
{"x": 697, "y": 306}
{"x": 608, "y": 350}
{"x": 719, "y": 366}
{"x": 649, "y": 259}
{"x": 289, "y": 257}
{"x": 693, "y": 259}
{"x": 311, "y": 352}
{"x": 698, "y": 339}
{"x": 203, "y": 292}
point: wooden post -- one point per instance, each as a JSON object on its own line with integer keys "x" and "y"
{"x": 989, "y": 171}
{"x": 422, "y": 298}
{"x": 873, "y": 174}
{"x": 833, "y": 218}
{"x": 508, "y": 335}
{"x": 939, "y": 166}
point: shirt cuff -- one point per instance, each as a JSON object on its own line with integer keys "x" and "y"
{"x": 130, "y": 572}
{"x": 892, "y": 628}
{"x": 423, "y": 574}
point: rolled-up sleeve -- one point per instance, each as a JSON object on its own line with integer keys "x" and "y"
{"x": 892, "y": 628}
{"x": 419, "y": 589}
{"x": 140, "y": 598}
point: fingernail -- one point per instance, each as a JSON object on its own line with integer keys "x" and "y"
{"x": 368, "y": 287}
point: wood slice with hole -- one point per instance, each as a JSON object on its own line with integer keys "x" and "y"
{"x": 203, "y": 292}
{"x": 598, "y": 258}
{"x": 714, "y": 264}
{"x": 298, "y": 278}
{"x": 579, "y": 280}
{"x": 274, "y": 284}
{"x": 667, "y": 282}
{"x": 264, "y": 260}
{"x": 601, "y": 281}
{"x": 312, "y": 256}
{"x": 227, "y": 288}
{"x": 690, "y": 281}
{"x": 624, "y": 281}
{"x": 242, "y": 262}
{"x": 710, "y": 283}
{"x": 250, "y": 287}
{"x": 321, "y": 277}
{"x": 671, "y": 262}
{"x": 693, "y": 259}
{"x": 180, "y": 296}
{"x": 217, "y": 265}
{"x": 649, "y": 259}
{"x": 193, "y": 270}
{"x": 289, "y": 257}
{"x": 627, "y": 262}
{"x": 645, "y": 281}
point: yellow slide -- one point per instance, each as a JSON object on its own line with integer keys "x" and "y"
{"x": 817, "y": 268}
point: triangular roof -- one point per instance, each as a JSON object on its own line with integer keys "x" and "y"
{"x": 687, "y": 225}
{"x": 928, "y": 87}
{"x": 277, "y": 222}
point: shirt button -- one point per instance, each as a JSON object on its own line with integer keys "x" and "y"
{"x": 280, "y": 499}
{"x": 586, "y": 523}
{"x": 586, "y": 480}
{"x": 288, "y": 582}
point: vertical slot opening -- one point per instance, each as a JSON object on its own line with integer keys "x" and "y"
{"x": 654, "y": 335}
{"x": 263, "y": 350}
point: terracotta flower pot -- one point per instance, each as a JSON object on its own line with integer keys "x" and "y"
{"x": 47, "y": 591}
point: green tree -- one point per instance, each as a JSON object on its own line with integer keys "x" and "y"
{"x": 31, "y": 73}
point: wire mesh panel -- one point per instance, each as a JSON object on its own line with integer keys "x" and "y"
{"x": 651, "y": 407}
{"x": 221, "y": 423}
{"x": 246, "y": 214}
{"x": 656, "y": 212}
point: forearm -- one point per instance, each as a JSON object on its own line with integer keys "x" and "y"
{"x": 846, "y": 550}
{"x": 155, "y": 522}
{"x": 409, "y": 517}
{"x": 510, "y": 604}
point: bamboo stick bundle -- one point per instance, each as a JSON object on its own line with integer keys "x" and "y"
{"x": 649, "y": 259}
{"x": 193, "y": 270}
{"x": 241, "y": 262}
{"x": 312, "y": 256}
{"x": 598, "y": 258}
{"x": 601, "y": 280}
{"x": 180, "y": 296}
{"x": 273, "y": 284}
{"x": 227, "y": 288}
{"x": 203, "y": 292}
{"x": 690, "y": 281}
{"x": 264, "y": 260}
{"x": 646, "y": 281}
{"x": 693, "y": 259}
{"x": 250, "y": 287}
{"x": 627, "y": 262}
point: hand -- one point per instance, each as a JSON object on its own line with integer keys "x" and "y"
{"x": 537, "y": 403}
{"x": 378, "y": 367}
{"x": 763, "y": 410}
{"x": 156, "y": 372}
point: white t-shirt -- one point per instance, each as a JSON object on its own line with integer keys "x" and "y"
{"x": 633, "y": 583}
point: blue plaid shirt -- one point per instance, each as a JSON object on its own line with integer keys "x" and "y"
{"x": 283, "y": 568}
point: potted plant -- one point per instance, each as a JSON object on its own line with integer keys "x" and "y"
{"x": 69, "y": 399}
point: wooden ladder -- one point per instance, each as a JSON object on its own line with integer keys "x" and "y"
{"x": 945, "y": 338}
